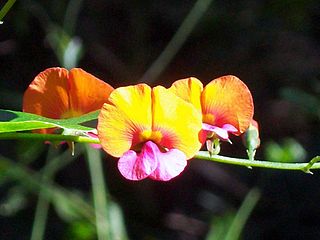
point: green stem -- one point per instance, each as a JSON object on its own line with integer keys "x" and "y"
{"x": 99, "y": 191}
{"x": 47, "y": 137}
{"x": 179, "y": 38}
{"x": 53, "y": 164}
{"x": 305, "y": 167}
{"x": 5, "y": 9}
{"x": 204, "y": 155}
{"x": 42, "y": 208}
{"x": 243, "y": 214}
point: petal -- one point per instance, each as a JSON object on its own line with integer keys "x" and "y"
{"x": 170, "y": 165}
{"x": 125, "y": 118}
{"x": 223, "y": 132}
{"x": 138, "y": 167}
{"x": 47, "y": 95}
{"x": 229, "y": 128}
{"x": 189, "y": 89}
{"x": 227, "y": 100}
{"x": 93, "y": 134}
{"x": 178, "y": 121}
{"x": 87, "y": 93}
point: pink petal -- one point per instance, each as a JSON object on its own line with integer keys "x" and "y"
{"x": 94, "y": 134}
{"x": 222, "y": 133}
{"x": 170, "y": 165}
{"x": 230, "y": 128}
{"x": 138, "y": 167}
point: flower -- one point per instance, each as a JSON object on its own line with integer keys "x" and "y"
{"x": 225, "y": 103}
{"x": 151, "y": 130}
{"x": 58, "y": 93}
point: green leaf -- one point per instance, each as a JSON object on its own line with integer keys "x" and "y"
{"x": 14, "y": 121}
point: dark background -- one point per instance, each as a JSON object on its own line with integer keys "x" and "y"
{"x": 273, "y": 46}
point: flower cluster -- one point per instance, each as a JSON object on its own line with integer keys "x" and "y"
{"x": 153, "y": 131}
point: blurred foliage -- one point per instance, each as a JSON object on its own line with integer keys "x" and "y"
{"x": 230, "y": 225}
{"x": 289, "y": 151}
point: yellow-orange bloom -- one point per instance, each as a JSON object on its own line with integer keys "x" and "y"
{"x": 59, "y": 93}
{"x": 225, "y": 103}
{"x": 152, "y": 130}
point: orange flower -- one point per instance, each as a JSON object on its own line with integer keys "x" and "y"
{"x": 152, "y": 130}
{"x": 59, "y": 93}
{"x": 225, "y": 103}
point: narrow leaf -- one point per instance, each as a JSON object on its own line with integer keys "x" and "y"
{"x": 14, "y": 121}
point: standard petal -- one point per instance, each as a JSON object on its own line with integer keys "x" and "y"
{"x": 227, "y": 100}
{"x": 138, "y": 167}
{"x": 126, "y": 120}
{"x": 170, "y": 165}
{"x": 189, "y": 89}
{"x": 178, "y": 121}
{"x": 87, "y": 93}
{"x": 47, "y": 95}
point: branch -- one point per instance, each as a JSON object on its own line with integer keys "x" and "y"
{"x": 305, "y": 167}
{"x": 204, "y": 155}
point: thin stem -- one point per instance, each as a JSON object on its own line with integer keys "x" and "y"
{"x": 305, "y": 167}
{"x": 53, "y": 164}
{"x": 99, "y": 191}
{"x": 41, "y": 212}
{"x": 204, "y": 155}
{"x": 47, "y": 137}
{"x": 5, "y": 9}
{"x": 40, "y": 218}
{"x": 243, "y": 214}
{"x": 71, "y": 16}
{"x": 177, "y": 41}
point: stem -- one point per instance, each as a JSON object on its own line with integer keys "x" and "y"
{"x": 53, "y": 164}
{"x": 177, "y": 41}
{"x": 204, "y": 155}
{"x": 41, "y": 212}
{"x": 99, "y": 191}
{"x": 5, "y": 9}
{"x": 47, "y": 137}
{"x": 71, "y": 16}
{"x": 305, "y": 167}
{"x": 243, "y": 214}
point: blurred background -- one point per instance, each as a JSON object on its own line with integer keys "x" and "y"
{"x": 273, "y": 46}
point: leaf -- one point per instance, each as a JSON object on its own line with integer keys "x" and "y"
{"x": 14, "y": 121}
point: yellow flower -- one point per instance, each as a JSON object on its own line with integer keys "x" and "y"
{"x": 152, "y": 130}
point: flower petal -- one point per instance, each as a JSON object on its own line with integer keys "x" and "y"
{"x": 227, "y": 100}
{"x": 221, "y": 132}
{"x": 178, "y": 121}
{"x": 94, "y": 134}
{"x": 87, "y": 93}
{"x": 170, "y": 165}
{"x": 125, "y": 118}
{"x": 47, "y": 95}
{"x": 189, "y": 89}
{"x": 138, "y": 167}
